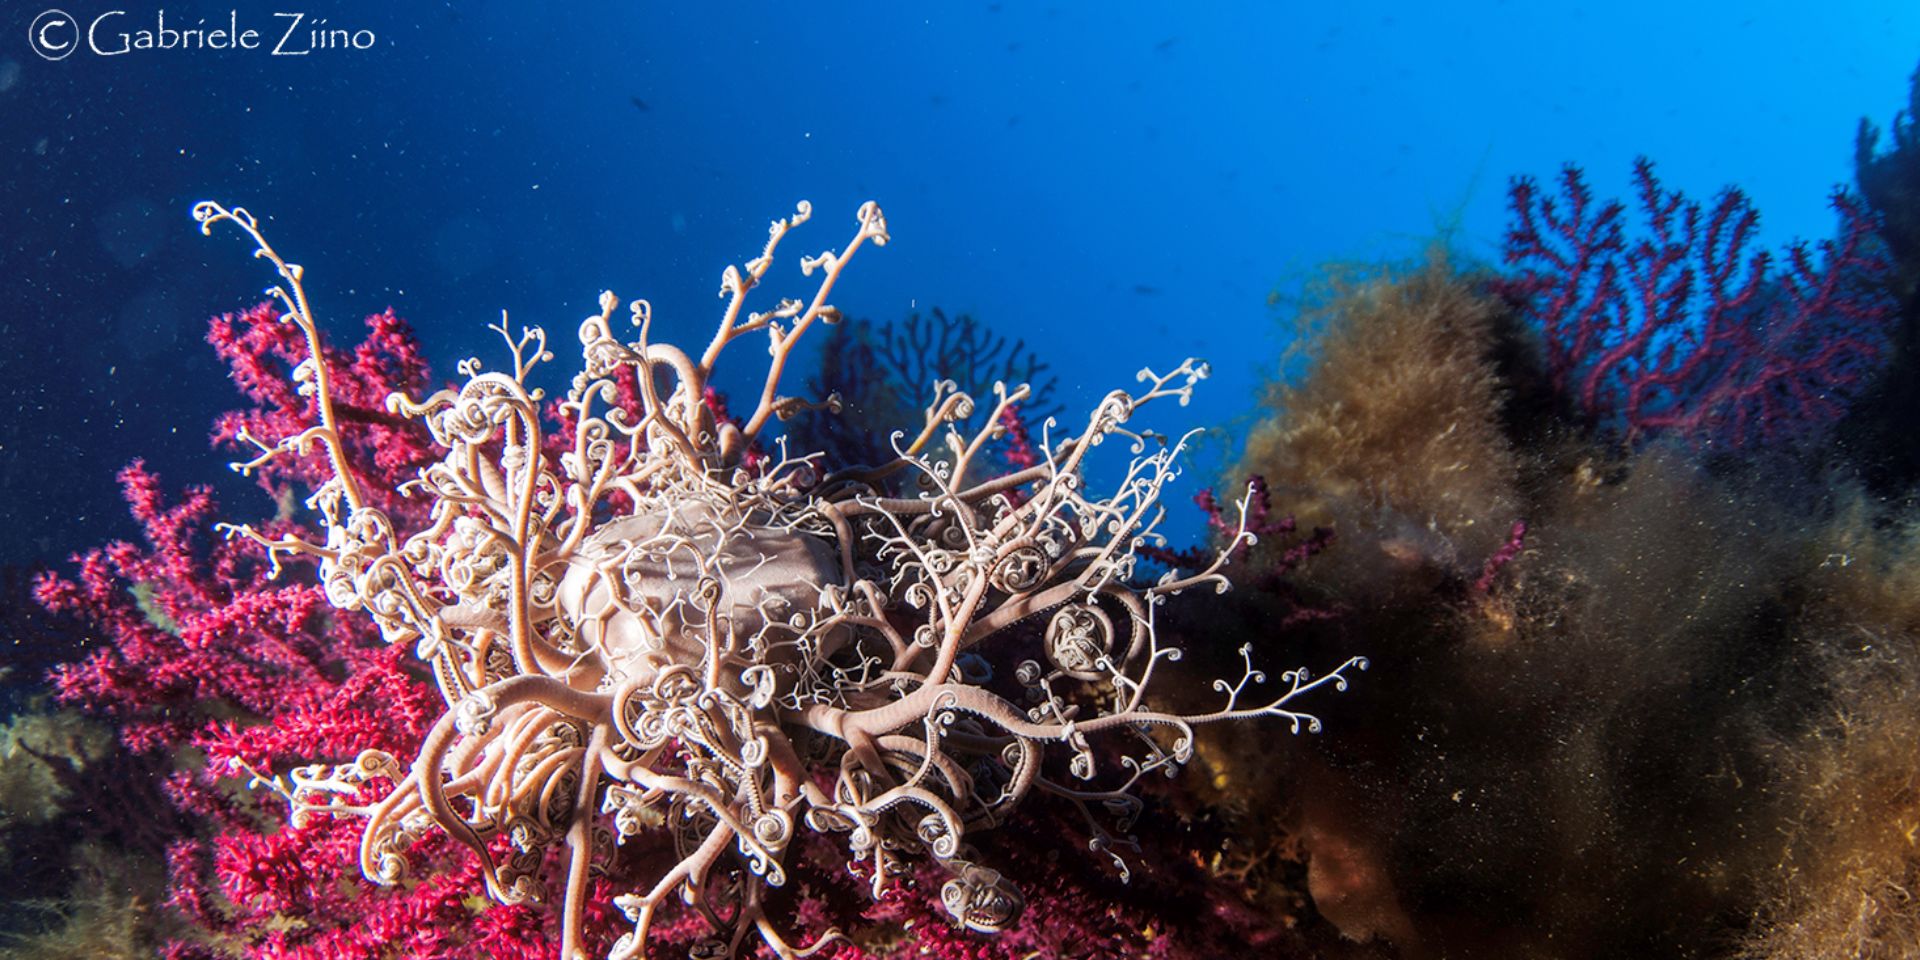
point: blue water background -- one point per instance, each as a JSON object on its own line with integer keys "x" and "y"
{"x": 1120, "y": 184}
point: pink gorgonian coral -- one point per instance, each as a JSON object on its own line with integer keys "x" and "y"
{"x": 1688, "y": 329}
{"x": 750, "y": 646}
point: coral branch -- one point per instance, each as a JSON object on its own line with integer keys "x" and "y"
{"x": 1687, "y": 330}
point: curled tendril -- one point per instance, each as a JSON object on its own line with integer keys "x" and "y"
{"x": 1020, "y": 569}
{"x": 474, "y": 715}
{"x": 1079, "y": 640}
{"x": 773, "y": 828}
{"x": 982, "y": 900}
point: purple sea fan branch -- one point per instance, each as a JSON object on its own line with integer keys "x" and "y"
{"x": 1687, "y": 330}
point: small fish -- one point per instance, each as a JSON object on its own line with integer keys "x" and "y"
{"x": 1145, "y": 290}
{"x": 640, "y": 104}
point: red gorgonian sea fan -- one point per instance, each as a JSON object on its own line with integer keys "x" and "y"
{"x": 1685, "y": 329}
{"x": 195, "y": 649}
